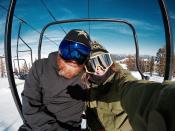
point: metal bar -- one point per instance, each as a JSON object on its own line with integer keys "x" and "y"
{"x": 23, "y": 50}
{"x": 18, "y": 60}
{"x": 29, "y": 25}
{"x": 7, "y": 50}
{"x": 95, "y": 19}
{"x": 169, "y": 41}
{"x": 28, "y": 47}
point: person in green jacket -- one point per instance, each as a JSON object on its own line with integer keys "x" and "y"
{"x": 115, "y": 96}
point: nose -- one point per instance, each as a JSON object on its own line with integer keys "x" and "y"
{"x": 72, "y": 63}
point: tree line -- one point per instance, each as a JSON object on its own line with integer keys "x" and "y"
{"x": 151, "y": 64}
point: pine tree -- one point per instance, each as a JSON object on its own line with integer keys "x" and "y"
{"x": 151, "y": 65}
{"x": 160, "y": 58}
{"x": 142, "y": 65}
{"x": 130, "y": 62}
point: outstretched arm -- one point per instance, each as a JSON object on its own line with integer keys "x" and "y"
{"x": 149, "y": 105}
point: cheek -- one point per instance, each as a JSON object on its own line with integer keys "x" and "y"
{"x": 76, "y": 69}
{"x": 61, "y": 64}
{"x": 79, "y": 68}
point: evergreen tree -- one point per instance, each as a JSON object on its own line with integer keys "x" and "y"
{"x": 160, "y": 58}
{"x": 151, "y": 65}
{"x": 131, "y": 63}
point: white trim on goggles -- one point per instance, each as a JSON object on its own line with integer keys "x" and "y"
{"x": 103, "y": 60}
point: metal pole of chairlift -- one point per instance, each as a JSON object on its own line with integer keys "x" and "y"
{"x": 19, "y": 31}
{"x": 169, "y": 41}
{"x": 19, "y": 60}
{"x": 100, "y": 20}
{"x": 29, "y": 25}
{"x": 8, "y": 57}
{"x": 30, "y": 49}
{"x": 17, "y": 48}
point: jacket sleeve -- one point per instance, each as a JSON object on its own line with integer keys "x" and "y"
{"x": 34, "y": 113}
{"x": 149, "y": 105}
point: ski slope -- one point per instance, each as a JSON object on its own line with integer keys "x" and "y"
{"x": 9, "y": 118}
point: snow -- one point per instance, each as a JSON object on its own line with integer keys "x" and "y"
{"x": 154, "y": 77}
{"x": 136, "y": 74}
{"x": 9, "y": 118}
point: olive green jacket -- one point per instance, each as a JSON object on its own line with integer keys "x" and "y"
{"x": 145, "y": 102}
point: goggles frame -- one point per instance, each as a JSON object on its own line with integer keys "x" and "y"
{"x": 96, "y": 57}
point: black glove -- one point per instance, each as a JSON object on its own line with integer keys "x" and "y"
{"x": 76, "y": 92}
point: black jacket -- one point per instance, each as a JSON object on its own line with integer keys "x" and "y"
{"x": 47, "y": 105}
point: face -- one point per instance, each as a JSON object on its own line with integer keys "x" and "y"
{"x": 99, "y": 71}
{"x": 68, "y": 69}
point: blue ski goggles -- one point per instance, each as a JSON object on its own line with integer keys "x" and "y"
{"x": 72, "y": 50}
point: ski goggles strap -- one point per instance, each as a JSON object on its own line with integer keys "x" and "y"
{"x": 72, "y": 50}
{"x": 103, "y": 60}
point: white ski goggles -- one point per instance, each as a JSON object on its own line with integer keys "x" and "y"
{"x": 103, "y": 61}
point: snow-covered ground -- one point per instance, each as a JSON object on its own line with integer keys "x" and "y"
{"x": 9, "y": 118}
{"x": 154, "y": 77}
{"x": 137, "y": 75}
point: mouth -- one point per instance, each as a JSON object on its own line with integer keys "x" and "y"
{"x": 100, "y": 73}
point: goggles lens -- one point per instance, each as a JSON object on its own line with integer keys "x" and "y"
{"x": 102, "y": 60}
{"x": 71, "y": 50}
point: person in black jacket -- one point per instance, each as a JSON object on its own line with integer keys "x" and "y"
{"x": 46, "y": 104}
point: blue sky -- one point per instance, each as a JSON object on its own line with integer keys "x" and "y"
{"x": 145, "y": 15}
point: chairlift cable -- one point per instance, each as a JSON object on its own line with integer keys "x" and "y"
{"x": 50, "y": 13}
{"x": 17, "y": 46}
{"x": 29, "y": 25}
{"x": 89, "y": 14}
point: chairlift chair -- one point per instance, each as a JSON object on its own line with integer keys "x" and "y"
{"x": 8, "y": 33}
